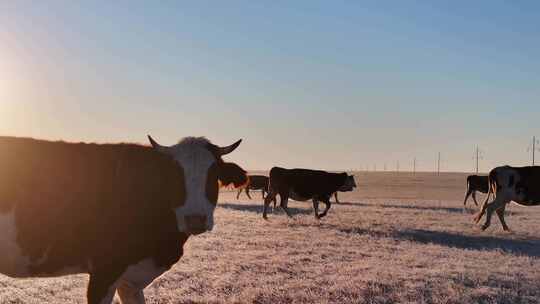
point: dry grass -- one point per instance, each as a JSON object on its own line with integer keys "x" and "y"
{"x": 398, "y": 239}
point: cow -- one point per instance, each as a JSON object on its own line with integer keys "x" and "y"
{"x": 119, "y": 212}
{"x": 351, "y": 181}
{"x": 256, "y": 182}
{"x": 475, "y": 183}
{"x": 303, "y": 185}
{"x": 518, "y": 184}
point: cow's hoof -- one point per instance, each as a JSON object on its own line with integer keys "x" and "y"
{"x": 484, "y": 227}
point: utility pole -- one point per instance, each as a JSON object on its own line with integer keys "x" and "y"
{"x": 385, "y": 167}
{"x": 477, "y": 156}
{"x": 439, "y": 164}
{"x": 533, "y": 149}
{"x": 414, "y": 166}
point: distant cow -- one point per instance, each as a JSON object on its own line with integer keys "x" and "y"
{"x": 119, "y": 212}
{"x": 475, "y": 183}
{"x": 256, "y": 182}
{"x": 518, "y": 184}
{"x": 303, "y": 185}
{"x": 344, "y": 188}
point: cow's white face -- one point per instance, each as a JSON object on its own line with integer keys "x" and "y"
{"x": 193, "y": 156}
{"x": 201, "y": 162}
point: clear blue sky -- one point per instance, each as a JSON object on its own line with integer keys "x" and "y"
{"x": 319, "y": 84}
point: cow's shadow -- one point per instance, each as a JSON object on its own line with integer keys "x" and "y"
{"x": 425, "y": 208}
{"x": 409, "y": 207}
{"x": 357, "y": 204}
{"x": 529, "y": 248}
{"x": 521, "y": 247}
{"x": 259, "y": 208}
{"x": 467, "y": 210}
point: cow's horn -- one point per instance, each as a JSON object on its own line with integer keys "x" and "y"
{"x": 157, "y": 146}
{"x": 228, "y": 149}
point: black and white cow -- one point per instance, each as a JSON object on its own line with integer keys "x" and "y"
{"x": 256, "y": 182}
{"x": 475, "y": 183}
{"x": 119, "y": 212}
{"x": 303, "y": 185}
{"x": 518, "y": 184}
{"x": 345, "y": 188}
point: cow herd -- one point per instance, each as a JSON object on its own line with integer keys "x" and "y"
{"x": 122, "y": 212}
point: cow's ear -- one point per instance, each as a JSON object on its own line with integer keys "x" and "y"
{"x": 231, "y": 173}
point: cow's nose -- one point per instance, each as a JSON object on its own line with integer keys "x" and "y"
{"x": 196, "y": 224}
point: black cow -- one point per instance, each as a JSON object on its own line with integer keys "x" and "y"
{"x": 256, "y": 182}
{"x": 475, "y": 183}
{"x": 303, "y": 185}
{"x": 518, "y": 184}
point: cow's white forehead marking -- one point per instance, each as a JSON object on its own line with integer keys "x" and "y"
{"x": 193, "y": 155}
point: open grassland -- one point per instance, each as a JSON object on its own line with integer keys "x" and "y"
{"x": 397, "y": 239}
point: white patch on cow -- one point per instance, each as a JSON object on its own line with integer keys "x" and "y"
{"x": 12, "y": 262}
{"x": 108, "y": 298}
{"x": 508, "y": 193}
{"x": 142, "y": 274}
{"x": 193, "y": 155}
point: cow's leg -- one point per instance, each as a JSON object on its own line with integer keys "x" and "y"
{"x": 262, "y": 193}
{"x": 283, "y": 204}
{"x": 469, "y": 192}
{"x": 130, "y": 293}
{"x": 136, "y": 278}
{"x": 102, "y": 286}
{"x": 271, "y": 196}
{"x": 247, "y": 192}
{"x": 482, "y": 211}
{"x": 474, "y": 198}
{"x": 495, "y": 205}
{"x": 500, "y": 214}
{"x": 326, "y": 200}
{"x": 316, "y": 208}
{"x": 335, "y": 195}
{"x": 239, "y": 191}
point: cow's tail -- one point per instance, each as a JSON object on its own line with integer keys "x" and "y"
{"x": 492, "y": 186}
{"x": 468, "y": 183}
{"x": 492, "y": 180}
